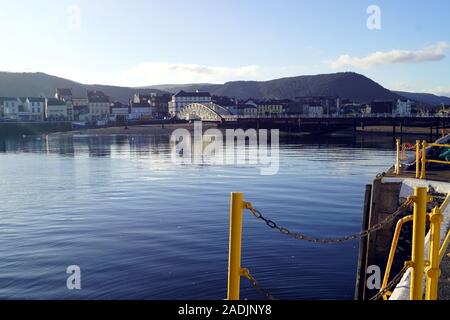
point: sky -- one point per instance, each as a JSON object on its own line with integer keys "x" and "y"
{"x": 401, "y": 44}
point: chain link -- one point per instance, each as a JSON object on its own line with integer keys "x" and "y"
{"x": 391, "y": 284}
{"x": 255, "y": 284}
{"x": 300, "y": 236}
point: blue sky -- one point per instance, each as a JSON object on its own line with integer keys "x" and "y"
{"x": 139, "y": 42}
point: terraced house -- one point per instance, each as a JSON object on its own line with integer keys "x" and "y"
{"x": 99, "y": 106}
{"x": 58, "y": 110}
{"x": 183, "y": 98}
{"x": 10, "y": 107}
{"x": 35, "y": 107}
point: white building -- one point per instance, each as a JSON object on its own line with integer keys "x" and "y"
{"x": 99, "y": 106}
{"x": 313, "y": 110}
{"x": 402, "y": 108}
{"x": 119, "y": 112}
{"x": 11, "y": 108}
{"x": 57, "y": 110}
{"x": 249, "y": 109}
{"x": 35, "y": 107}
{"x": 140, "y": 111}
{"x": 184, "y": 98}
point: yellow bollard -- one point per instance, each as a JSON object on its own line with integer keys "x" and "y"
{"x": 234, "y": 259}
{"x": 424, "y": 160}
{"x": 417, "y": 159}
{"x": 418, "y": 263}
{"x": 397, "y": 163}
{"x": 433, "y": 271}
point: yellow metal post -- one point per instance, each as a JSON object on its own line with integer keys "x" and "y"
{"x": 397, "y": 163}
{"x": 394, "y": 244}
{"x": 234, "y": 259}
{"x": 424, "y": 160}
{"x": 417, "y": 159}
{"x": 433, "y": 271}
{"x": 418, "y": 263}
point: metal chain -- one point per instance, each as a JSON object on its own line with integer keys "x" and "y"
{"x": 255, "y": 284}
{"x": 300, "y": 236}
{"x": 391, "y": 284}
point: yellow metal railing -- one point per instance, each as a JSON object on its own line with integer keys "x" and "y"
{"x": 424, "y": 159}
{"x": 436, "y": 250}
{"x": 419, "y": 266}
{"x": 421, "y": 156}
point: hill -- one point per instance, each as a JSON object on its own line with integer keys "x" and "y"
{"x": 427, "y": 98}
{"x": 349, "y": 85}
{"x": 41, "y": 84}
{"x": 346, "y": 85}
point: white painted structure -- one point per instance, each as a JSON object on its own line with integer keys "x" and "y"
{"x": 314, "y": 111}
{"x": 35, "y": 107}
{"x": 11, "y": 108}
{"x": 402, "y": 108}
{"x": 58, "y": 110}
{"x": 184, "y": 98}
{"x": 204, "y": 112}
{"x": 140, "y": 111}
{"x": 99, "y": 106}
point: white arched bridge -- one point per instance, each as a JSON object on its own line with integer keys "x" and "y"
{"x": 204, "y": 112}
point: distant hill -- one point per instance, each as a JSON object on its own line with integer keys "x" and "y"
{"x": 345, "y": 85}
{"x": 427, "y": 98}
{"x": 41, "y": 84}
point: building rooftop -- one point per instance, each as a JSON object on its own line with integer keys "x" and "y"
{"x": 36, "y": 100}
{"x": 55, "y": 102}
{"x": 192, "y": 94}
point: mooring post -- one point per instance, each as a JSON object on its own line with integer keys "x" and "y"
{"x": 418, "y": 243}
{"x": 234, "y": 259}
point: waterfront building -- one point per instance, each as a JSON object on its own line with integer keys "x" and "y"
{"x": 140, "y": 111}
{"x": 270, "y": 108}
{"x": 330, "y": 104}
{"x": 58, "y": 110}
{"x": 160, "y": 105}
{"x": 63, "y": 94}
{"x": 81, "y": 109}
{"x": 231, "y": 104}
{"x": 119, "y": 112}
{"x": 313, "y": 110}
{"x": 11, "y": 107}
{"x": 249, "y": 109}
{"x": 99, "y": 106}
{"x": 402, "y": 108}
{"x": 184, "y": 98}
{"x": 34, "y": 108}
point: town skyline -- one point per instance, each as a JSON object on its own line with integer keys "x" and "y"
{"x": 216, "y": 43}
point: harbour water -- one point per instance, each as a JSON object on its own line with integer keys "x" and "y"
{"x": 141, "y": 227}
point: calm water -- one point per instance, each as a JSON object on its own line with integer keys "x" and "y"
{"x": 142, "y": 228}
